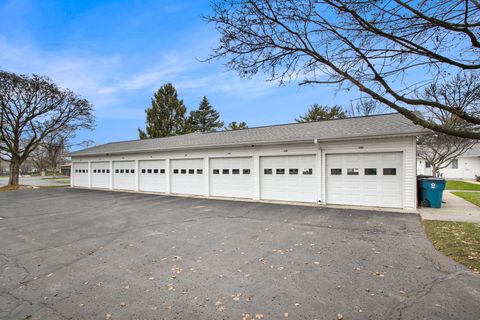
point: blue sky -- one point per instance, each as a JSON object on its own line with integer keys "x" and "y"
{"x": 117, "y": 53}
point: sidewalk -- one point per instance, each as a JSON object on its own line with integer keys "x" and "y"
{"x": 454, "y": 209}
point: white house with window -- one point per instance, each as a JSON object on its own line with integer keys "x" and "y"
{"x": 467, "y": 166}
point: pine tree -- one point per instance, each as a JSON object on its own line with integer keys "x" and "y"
{"x": 166, "y": 116}
{"x": 234, "y": 125}
{"x": 318, "y": 113}
{"x": 205, "y": 119}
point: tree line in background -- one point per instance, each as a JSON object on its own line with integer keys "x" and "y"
{"x": 167, "y": 116}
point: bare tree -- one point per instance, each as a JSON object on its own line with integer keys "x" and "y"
{"x": 439, "y": 149}
{"x": 39, "y": 158}
{"x": 462, "y": 93}
{"x": 366, "y": 107}
{"x": 32, "y": 108}
{"x": 387, "y": 49}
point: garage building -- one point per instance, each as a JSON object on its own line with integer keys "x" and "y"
{"x": 362, "y": 161}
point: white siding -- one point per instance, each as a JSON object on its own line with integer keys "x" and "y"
{"x": 468, "y": 167}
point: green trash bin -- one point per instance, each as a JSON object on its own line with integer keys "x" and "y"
{"x": 431, "y": 192}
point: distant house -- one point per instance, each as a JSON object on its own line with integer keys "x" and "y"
{"x": 4, "y": 167}
{"x": 464, "y": 167}
{"x": 65, "y": 169}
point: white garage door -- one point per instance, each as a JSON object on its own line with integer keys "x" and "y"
{"x": 124, "y": 175}
{"x": 231, "y": 177}
{"x": 101, "y": 175}
{"x": 187, "y": 176}
{"x": 152, "y": 176}
{"x": 289, "y": 178}
{"x": 370, "y": 179}
{"x": 80, "y": 174}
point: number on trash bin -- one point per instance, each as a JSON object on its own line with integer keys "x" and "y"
{"x": 433, "y": 185}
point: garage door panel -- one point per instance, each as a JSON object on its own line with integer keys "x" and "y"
{"x": 238, "y": 185}
{"x": 374, "y": 189}
{"x": 124, "y": 175}
{"x": 187, "y": 176}
{"x": 293, "y": 184}
{"x": 80, "y": 174}
{"x": 152, "y": 176}
{"x": 100, "y": 175}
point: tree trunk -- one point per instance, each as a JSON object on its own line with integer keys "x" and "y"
{"x": 434, "y": 171}
{"x": 14, "y": 172}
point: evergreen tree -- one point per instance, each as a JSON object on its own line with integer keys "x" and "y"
{"x": 236, "y": 126}
{"x": 318, "y": 113}
{"x": 205, "y": 119}
{"x": 166, "y": 116}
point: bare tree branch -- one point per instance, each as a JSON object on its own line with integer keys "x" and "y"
{"x": 388, "y": 50}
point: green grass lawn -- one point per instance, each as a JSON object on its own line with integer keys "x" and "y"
{"x": 59, "y": 179}
{"x": 457, "y": 240}
{"x": 473, "y": 197}
{"x": 461, "y": 185}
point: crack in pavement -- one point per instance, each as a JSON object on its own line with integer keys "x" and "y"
{"x": 424, "y": 291}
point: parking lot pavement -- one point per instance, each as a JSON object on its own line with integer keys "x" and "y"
{"x": 84, "y": 254}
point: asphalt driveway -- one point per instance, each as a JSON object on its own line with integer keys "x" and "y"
{"x": 83, "y": 254}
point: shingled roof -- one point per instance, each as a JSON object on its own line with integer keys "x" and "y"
{"x": 392, "y": 124}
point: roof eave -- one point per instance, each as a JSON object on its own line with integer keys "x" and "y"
{"x": 245, "y": 144}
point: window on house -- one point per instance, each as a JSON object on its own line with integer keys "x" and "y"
{"x": 246, "y": 171}
{"x": 94, "y": 170}
{"x": 162, "y": 170}
{"x": 103, "y": 171}
{"x": 116, "y": 171}
{"x": 108, "y": 170}
{"x": 307, "y": 171}
{"x": 352, "y": 172}
{"x": 149, "y": 170}
{"x": 225, "y": 171}
{"x": 216, "y": 171}
{"x": 191, "y": 171}
{"x": 427, "y": 164}
{"x": 155, "y": 170}
{"x": 389, "y": 171}
{"x": 235, "y": 171}
{"x": 292, "y": 171}
{"x": 455, "y": 164}
{"x": 183, "y": 171}
{"x": 144, "y": 170}
{"x": 336, "y": 171}
{"x": 127, "y": 170}
{"x": 175, "y": 171}
{"x": 370, "y": 171}
{"x": 132, "y": 171}
{"x": 267, "y": 171}
{"x": 199, "y": 171}
{"x": 280, "y": 171}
